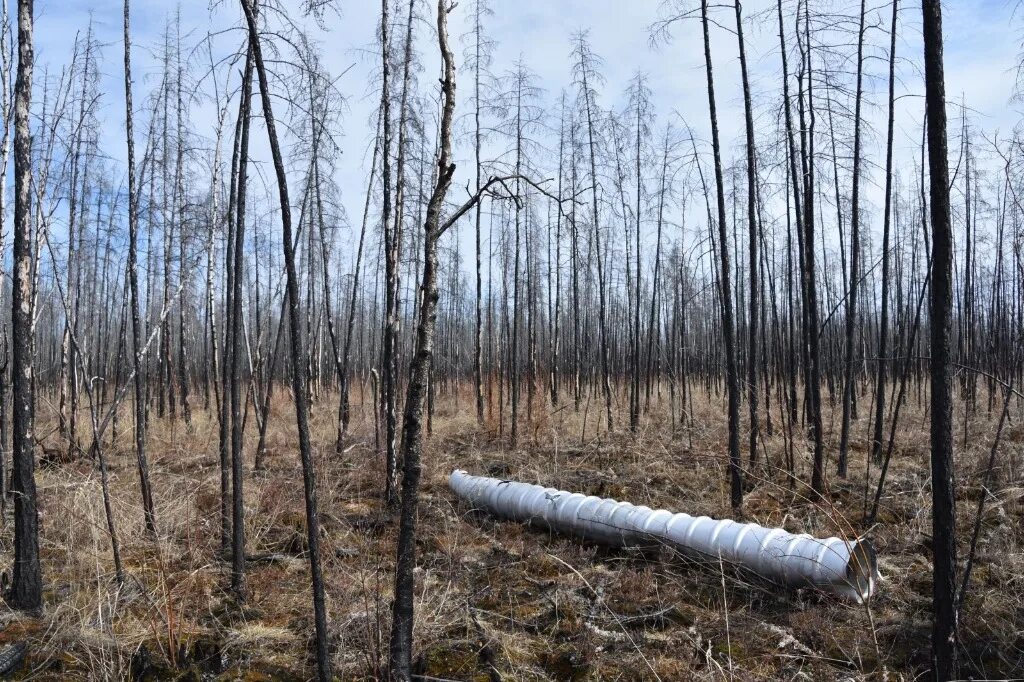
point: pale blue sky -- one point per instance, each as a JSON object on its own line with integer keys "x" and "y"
{"x": 982, "y": 45}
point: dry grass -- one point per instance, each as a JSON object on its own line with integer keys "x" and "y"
{"x": 498, "y": 600}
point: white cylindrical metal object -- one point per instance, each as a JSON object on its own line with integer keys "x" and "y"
{"x": 847, "y": 568}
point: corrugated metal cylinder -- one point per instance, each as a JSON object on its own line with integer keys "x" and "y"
{"x": 847, "y": 568}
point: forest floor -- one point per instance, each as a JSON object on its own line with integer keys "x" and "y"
{"x": 499, "y": 600}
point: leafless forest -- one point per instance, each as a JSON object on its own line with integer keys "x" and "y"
{"x": 237, "y": 365}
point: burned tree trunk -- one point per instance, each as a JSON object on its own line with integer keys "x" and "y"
{"x": 851, "y": 301}
{"x": 944, "y": 645}
{"x": 400, "y": 649}
{"x": 752, "y": 228}
{"x": 725, "y": 289}
{"x": 298, "y": 366}
{"x": 27, "y": 585}
{"x": 133, "y": 281}
{"x": 883, "y": 320}
{"x": 233, "y": 349}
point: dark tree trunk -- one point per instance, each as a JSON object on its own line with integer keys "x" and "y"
{"x": 793, "y": 176}
{"x": 478, "y": 367}
{"x": 412, "y": 428}
{"x": 224, "y": 406}
{"x": 851, "y": 301}
{"x": 883, "y": 321}
{"x": 133, "y": 281}
{"x": 179, "y": 209}
{"x": 944, "y": 654}
{"x": 27, "y": 584}
{"x": 298, "y": 366}
{"x": 812, "y": 334}
{"x": 752, "y": 227}
{"x": 388, "y": 344}
{"x": 725, "y": 289}
{"x": 602, "y": 310}
{"x": 235, "y": 366}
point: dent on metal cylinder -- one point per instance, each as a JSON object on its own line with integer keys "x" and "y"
{"x": 847, "y": 568}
